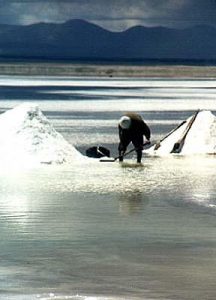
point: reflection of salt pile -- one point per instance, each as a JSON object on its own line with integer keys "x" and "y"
{"x": 201, "y": 138}
{"x": 26, "y": 136}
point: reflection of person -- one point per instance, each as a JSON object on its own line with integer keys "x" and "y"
{"x": 132, "y": 202}
{"x": 131, "y": 129}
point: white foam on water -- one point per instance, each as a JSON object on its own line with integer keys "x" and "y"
{"x": 53, "y": 296}
{"x": 107, "y": 82}
{"x": 185, "y": 94}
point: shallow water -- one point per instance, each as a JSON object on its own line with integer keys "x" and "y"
{"x": 103, "y": 230}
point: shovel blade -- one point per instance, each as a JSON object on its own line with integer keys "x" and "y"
{"x": 107, "y": 159}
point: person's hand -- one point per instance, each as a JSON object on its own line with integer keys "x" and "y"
{"x": 148, "y": 142}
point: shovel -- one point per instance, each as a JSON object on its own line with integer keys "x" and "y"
{"x": 158, "y": 144}
{"x": 113, "y": 159}
{"x": 177, "y": 148}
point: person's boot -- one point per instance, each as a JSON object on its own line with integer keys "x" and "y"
{"x": 139, "y": 156}
{"x": 121, "y": 157}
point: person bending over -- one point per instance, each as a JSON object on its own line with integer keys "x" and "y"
{"x": 132, "y": 128}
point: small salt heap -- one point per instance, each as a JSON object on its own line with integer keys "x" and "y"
{"x": 201, "y": 138}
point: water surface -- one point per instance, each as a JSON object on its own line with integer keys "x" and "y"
{"x": 102, "y": 230}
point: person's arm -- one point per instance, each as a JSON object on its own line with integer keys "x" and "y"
{"x": 146, "y": 131}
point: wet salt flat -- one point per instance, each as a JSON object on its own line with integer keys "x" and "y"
{"x": 94, "y": 230}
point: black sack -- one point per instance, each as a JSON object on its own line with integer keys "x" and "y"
{"x": 97, "y": 152}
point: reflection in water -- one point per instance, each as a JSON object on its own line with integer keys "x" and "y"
{"x": 132, "y": 202}
{"x": 16, "y": 207}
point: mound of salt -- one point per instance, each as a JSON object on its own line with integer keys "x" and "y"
{"x": 26, "y": 136}
{"x": 201, "y": 138}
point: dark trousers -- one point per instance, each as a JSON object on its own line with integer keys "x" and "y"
{"x": 137, "y": 142}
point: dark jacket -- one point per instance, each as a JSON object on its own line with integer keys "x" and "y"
{"x": 135, "y": 133}
{"x": 138, "y": 128}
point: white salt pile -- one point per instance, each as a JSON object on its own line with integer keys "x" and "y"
{"x": 201, "y": 138}
{"x": 27, "y": 137}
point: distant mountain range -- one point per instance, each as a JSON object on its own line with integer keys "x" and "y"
{"x": 81, "y": 40}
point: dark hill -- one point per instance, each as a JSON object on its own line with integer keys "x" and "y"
{"x": 78, "y": 40}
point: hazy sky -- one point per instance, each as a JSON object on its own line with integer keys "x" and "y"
{"x": 111, "y": 14}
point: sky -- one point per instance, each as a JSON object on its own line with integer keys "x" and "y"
{"x": 114, "y": 15}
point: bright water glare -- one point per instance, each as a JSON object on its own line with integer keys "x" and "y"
{"x": 107, "y": 231}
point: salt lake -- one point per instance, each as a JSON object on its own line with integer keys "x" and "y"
{"x": 98, "y": 230}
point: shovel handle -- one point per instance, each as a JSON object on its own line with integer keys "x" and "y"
{"x": 126, "y": 153}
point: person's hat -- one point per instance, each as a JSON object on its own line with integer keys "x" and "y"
{"x": 125, "y": 122}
